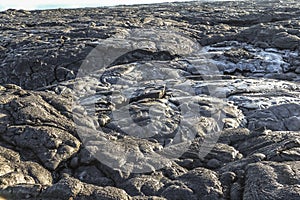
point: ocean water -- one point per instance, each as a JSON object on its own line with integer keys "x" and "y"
{"x": 50, "y": 4}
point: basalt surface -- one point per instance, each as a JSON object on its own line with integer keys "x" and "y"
{"x": 197, "y": 100}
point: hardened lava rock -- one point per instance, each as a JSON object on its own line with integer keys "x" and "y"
{"x": 194, "y": 100}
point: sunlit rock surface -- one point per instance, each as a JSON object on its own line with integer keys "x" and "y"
{"x": 168, "y": 101}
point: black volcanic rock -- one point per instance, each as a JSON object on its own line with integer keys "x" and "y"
{"x": 275, "y": 180}
{"x": 194, "y": 100}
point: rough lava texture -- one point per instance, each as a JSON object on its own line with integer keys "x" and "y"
{"x": 220, "y": 77}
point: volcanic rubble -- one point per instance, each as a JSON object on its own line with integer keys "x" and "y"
{"x": 195, "y": 100}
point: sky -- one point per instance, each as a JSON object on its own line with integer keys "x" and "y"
{"x": 48, "y": 4}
